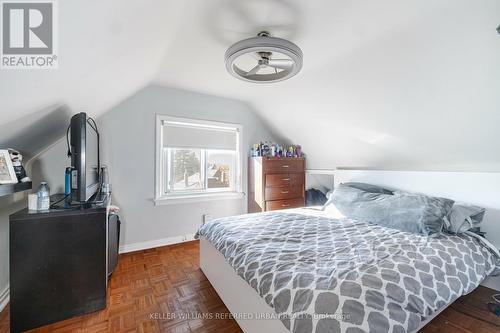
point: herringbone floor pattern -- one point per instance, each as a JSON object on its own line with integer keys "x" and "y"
{"x": 153, "y": 291}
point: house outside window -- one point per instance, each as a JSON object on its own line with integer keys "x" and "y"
{"x": 197, "y": 160}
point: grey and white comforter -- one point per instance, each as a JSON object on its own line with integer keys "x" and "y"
{"x": 339, "y": 275}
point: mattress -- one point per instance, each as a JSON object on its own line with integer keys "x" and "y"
{"x": 339, "y": 275}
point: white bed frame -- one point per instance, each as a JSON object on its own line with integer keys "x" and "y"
{"x": 236, "y": 293}
{"x": 482, "y": 189}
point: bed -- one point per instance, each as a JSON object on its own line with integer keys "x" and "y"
{"x": 302, "y": 271}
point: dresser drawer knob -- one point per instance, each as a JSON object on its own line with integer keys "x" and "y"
{"x": 285, "y": 205}
{"x": 285, "y": 166}
{"x": 285, "y": 179}
{"x": 284, "y": 192}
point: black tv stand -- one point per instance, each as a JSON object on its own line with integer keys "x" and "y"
{"x": 60, "y": 260}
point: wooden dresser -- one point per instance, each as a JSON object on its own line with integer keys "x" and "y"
{"x": 275, "y": 183}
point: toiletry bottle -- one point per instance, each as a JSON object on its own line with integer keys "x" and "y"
{"x": 43, "y": 195}
{"x": 67, "y": 181}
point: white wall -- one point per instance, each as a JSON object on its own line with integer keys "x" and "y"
{"x": 128, "y": 148}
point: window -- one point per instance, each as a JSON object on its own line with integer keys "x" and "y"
{"x": 191, "y": 170}
{"x": 197, "y": 159}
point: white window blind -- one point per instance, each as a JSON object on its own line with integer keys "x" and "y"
{"x": 182, "y": 135}
{"x": 197, "y": 160}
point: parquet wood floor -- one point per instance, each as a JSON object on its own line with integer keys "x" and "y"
{"x": 153, "y": 290}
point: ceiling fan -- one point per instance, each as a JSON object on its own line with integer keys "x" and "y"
{"x": 263, "y": 59}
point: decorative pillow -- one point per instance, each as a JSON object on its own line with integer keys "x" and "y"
{"x": 368, "y": 187}
{"x": 416, "y": 213}
{"x": 464, "y": 217}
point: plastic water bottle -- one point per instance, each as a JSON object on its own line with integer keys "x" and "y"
{"x": 43, "y": 195}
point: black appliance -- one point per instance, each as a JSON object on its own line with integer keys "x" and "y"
{"x": 114, "y": 225}
{"x": 85, "y": 159}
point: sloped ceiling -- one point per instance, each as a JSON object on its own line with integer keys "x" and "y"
{"x": 385, "y": 84}
{"x": 107, "y": 51}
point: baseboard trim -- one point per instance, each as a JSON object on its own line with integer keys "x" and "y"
{"x": 4, "y": 298}
{"x": 155, "y": 243}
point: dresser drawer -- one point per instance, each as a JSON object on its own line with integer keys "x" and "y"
{"x": 285, "y": 165}
{"x": 278, "y": 180}
{"x": 284, "y": 204}
{"x": 276, "y": 193}
{"x": 284, "y": 179}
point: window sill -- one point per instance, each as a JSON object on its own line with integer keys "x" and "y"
{"x": 183, "y": 199}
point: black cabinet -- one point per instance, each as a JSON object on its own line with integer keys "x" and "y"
{"x": 58, "y": 265}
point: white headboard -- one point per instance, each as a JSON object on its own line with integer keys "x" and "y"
{"x": 478, "y": 188}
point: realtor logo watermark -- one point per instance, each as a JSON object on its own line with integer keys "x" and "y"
{"x": 28, "y": 34}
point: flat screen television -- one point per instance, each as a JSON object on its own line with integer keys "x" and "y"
{"x": 84, "y": 148}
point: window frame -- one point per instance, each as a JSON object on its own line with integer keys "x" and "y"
{"x": 161, "y": 169}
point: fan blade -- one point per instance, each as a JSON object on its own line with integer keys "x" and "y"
{"x": 253, "y": 70}
{"x": 281, "y": 63}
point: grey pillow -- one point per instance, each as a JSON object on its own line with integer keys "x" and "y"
{"x": 368, "y": 187}
{"x": 464, "y": 217}
{"x": 415, "y": 213}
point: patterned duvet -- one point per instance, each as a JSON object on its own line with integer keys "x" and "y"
{"x": 339, "y": 275}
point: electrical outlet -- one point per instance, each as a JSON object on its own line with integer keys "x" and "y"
{"x": 206, "y": 218}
